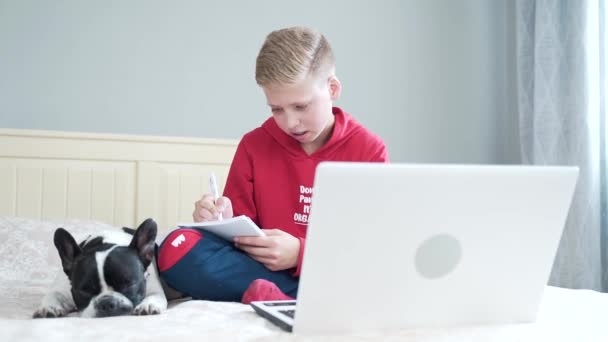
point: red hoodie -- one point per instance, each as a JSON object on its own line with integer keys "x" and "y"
{"x": 271, "y": 176}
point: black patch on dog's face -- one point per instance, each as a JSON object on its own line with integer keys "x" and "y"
{"x": 85, "y": 281}
{"x": 125, "y": 273}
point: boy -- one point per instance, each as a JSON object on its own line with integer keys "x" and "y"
{"x": 271, "y": 177}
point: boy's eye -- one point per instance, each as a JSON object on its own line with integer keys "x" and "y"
{"x": 301, "y": 107}
{"x": 276, "y": 110}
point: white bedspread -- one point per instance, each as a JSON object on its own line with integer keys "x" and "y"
{"x": 28, "y": 262}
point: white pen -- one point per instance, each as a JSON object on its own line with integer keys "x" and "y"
{"x": 214, "y": 192}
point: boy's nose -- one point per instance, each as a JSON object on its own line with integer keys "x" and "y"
{"x": 293, "y": 122}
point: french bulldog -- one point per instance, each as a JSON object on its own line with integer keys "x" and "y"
{"x": 110, "y": 274}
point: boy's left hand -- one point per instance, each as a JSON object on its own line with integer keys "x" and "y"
{"x": 277, "y": 250}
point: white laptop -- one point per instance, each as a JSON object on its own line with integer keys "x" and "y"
{"x": 394, "y": 246}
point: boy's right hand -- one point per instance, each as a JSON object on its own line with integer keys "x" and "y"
{"x": 208, "y": 208}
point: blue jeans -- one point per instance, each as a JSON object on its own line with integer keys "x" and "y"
{"x": 214, "y": 269}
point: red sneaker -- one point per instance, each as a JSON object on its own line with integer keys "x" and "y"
{"x": 262, "y": 289}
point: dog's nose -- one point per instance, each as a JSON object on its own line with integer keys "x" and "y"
{"x": 108, "y": 304}
{"x": 111, "y": 306}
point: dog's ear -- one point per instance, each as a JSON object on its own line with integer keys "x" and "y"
{"x": 144, "y": 241}
{"x": 68, "y": 249}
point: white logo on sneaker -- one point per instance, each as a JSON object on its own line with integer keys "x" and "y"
{"x": 178, "y": 240}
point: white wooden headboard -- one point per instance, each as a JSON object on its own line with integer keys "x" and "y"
{"x": 117, "y": 179}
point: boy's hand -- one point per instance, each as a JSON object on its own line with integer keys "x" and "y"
{"x": 277, "y": 250}
{"x": 206, "y": 209}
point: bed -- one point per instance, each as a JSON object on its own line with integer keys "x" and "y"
{"x": 91, "y": 182}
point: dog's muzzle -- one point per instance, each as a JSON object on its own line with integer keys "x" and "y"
{"x": 109, "y": 305}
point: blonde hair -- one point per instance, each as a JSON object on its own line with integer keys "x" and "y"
{"x": 291, "y": 54}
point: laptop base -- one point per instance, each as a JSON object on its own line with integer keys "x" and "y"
{"x": 279, "y": 312}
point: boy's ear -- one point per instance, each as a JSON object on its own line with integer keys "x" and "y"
{"x": 335, "y": 87}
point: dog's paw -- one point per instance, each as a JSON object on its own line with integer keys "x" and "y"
{"x": 147, "y": 309}
{"x": 151, "y": 305}
{"x": 50, "y": 312}
{"x": 55, "y": 304}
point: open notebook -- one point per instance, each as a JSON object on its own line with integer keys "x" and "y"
{"x": 228, "y": 228}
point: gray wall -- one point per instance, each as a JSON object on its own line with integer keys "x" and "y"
{"x": 433, "y": 78}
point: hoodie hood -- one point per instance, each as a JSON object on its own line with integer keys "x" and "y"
{"x": 344, "y": 128}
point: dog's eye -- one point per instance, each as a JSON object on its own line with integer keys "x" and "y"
{"x": 135, "y": 285}
{"x": 85, "y": 293}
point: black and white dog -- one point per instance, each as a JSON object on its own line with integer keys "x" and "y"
{"x": 107, "y": 275}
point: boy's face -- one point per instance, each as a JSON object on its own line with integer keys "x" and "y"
{"x": 303, "y": 110}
